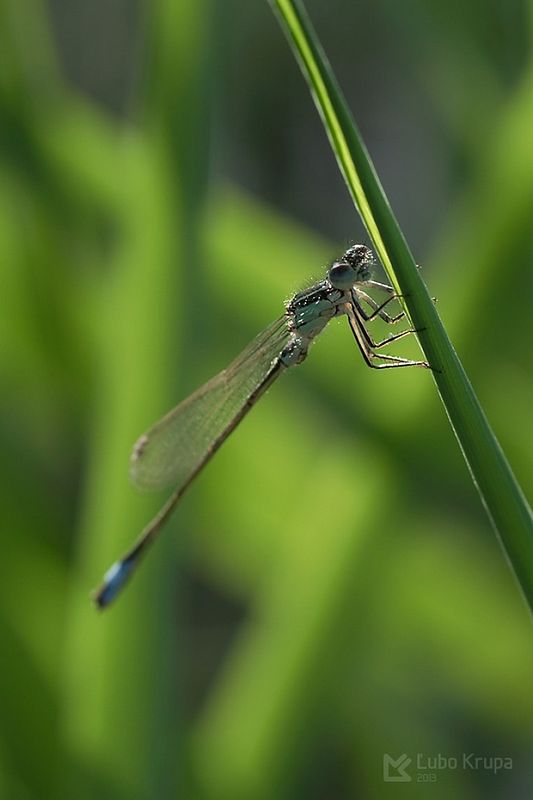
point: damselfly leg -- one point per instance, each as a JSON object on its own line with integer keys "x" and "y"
{"x": 358, "y": 318}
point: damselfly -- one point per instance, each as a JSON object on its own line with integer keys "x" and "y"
{"x": 179, "y": 446}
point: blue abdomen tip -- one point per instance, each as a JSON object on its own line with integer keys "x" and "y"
{"x": 114, "y": 580}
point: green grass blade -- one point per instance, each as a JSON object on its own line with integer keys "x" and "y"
{"x": 500, "y": 492}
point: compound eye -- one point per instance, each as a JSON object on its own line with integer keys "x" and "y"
{"x": 341, "y": 275}
{"x": 360, "y": 258}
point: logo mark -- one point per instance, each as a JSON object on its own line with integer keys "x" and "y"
{"x": 394, "y": 769}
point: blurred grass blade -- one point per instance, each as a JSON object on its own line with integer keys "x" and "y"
{"x": 490, "y": 471}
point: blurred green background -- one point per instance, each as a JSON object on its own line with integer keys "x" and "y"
{"x": 330, "y": 591}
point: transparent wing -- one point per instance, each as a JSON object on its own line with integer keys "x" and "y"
{"x": 180, "y": 442}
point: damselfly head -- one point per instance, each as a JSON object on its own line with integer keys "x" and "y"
{"x": 355, "y": 266}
